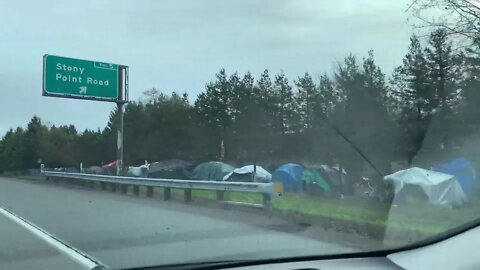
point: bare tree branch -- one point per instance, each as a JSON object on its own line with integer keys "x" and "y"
{"x": 458, "y": 17}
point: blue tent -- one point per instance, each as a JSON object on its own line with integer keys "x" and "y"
{"x": 290, "y": 175}
{"x": 462, "y": 170}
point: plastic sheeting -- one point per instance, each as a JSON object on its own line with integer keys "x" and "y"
{"x": 138, "y": 171}
{"x": 261, "y": 174}
{"x": 439, "y": 188}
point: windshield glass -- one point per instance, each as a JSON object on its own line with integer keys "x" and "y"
{"x": 243, "y": 130}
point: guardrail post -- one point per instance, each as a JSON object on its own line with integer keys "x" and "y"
{"x": 188, "y": 195}
{"x": 149, "y": 191}
{"x": 220, "y": 195}
{"x": 167, "y": 194}
{"x": 115, "y": 183}
{"x": 267, "y": 201}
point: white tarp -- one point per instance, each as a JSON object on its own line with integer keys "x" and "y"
{"x": 138, "y": 171}
{"x": 261, "y": 174}
{"x": 440, "y": 188}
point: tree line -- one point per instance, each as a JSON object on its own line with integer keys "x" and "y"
{"x": 357, "y": 116}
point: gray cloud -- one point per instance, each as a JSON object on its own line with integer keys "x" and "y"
{"x": 180, "y": 45}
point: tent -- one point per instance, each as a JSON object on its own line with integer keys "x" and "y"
{"x": 436, "y": 187}
{"x": 212, "y": 171}
{"x": 290, "y": 175}
{"x": 314, "y": 183}
{"x": 245, "y": 174}
{"x": 338, "y": 183}
{"x": 333, "y": 175}
{"x": 171, "y": 169}
{"x": 462, "y": 170}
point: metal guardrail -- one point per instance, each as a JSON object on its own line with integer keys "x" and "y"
{"x": 267, "y": 189}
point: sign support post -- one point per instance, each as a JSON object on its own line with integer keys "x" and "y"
{"x": 83, "y": 79}
{"x": 120, "y": 138}
{"x": 123, "y": 82}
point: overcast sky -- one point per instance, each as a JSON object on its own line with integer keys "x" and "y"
{"x": 180, "y": 45}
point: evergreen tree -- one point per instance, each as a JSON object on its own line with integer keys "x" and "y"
{"x": 441, "y": 64}
{"x": 284, "y": 104}
{"x": 306, "y": 99}
{"x": 326, "y": 99}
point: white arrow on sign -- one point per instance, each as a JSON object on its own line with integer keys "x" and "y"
{"x": 83, "y": 90}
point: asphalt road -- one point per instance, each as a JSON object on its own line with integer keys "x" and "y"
{"x": 124, "y": 231}
{"x": 21, "y": 249}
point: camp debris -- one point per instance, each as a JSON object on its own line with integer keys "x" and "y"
{"x": 420, "y": 184}
{"x": 290, "y": 175}
{"x": 211, "y": 171}
{"x": 246, "y": 174}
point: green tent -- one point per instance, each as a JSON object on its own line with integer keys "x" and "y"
{"x": 212, "y": 171}
{"x": 313, "y": 177}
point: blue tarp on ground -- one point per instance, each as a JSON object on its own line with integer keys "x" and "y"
{"x": 290, "y": 175}
{"x": 462, "y": 169}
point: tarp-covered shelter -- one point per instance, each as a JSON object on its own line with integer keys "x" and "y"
{"x": 462, "y": 169}
{"x": 434, "y": 187}
{"x": 328, "y": 179}
{"x": 170, "y": 169}
{"x": 211, "y": 171}
{"x": 246, "y": 174}
{"x": 315, "y": 183}
{"x": 290, "y": 175}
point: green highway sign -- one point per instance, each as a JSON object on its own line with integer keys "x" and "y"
{"x": 74, "y": 78}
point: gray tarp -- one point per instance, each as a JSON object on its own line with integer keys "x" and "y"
{"x": 212, "y": 171}
{"x": 172, "y": 169}
{"x": 439, "y": 188}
